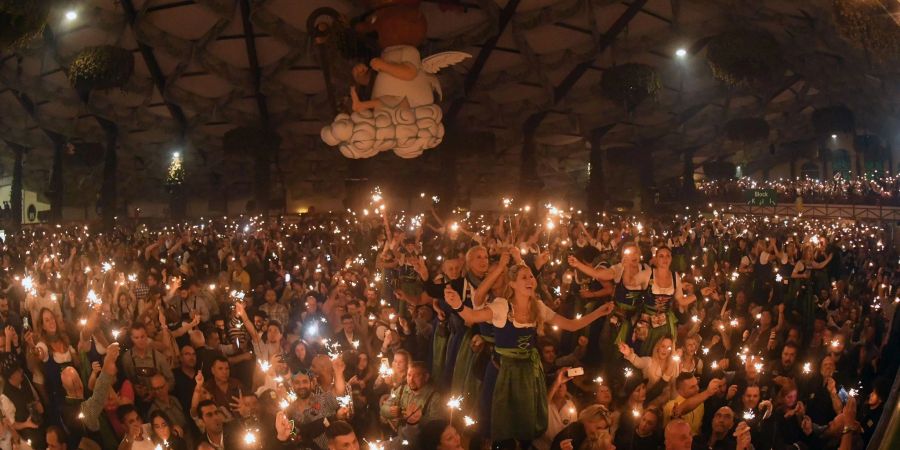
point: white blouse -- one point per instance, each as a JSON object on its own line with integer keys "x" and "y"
{"x": 501, "y": 313}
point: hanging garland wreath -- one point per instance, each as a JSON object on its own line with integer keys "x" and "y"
{"x": 870, "y": 24}
{"x": 630, "y": 84}
{"x": 21, "y": 20}
{"x": 833, "y": 119}
{"x": 744, "y": 57}
{"x": 250, "y": 140}
{"x": 103, "y": 67}
{"x": 747, "y": 130}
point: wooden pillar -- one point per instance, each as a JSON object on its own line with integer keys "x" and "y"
{"x": 688, "y": 188}
{"x": 15, "y": 190}
{"x": 108, "y": 191}
{"x": 356, "y": 184}
{"x": 262, "y": 180}
{"x": 645, "y": 173}
{"x": 597, "y": 195}
{"x": 529, "y": 181}
{"x": 794, "y": 173}
{"x": 56, "y": 182}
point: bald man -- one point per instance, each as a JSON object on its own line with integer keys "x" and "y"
{"x": 678, "y": 435}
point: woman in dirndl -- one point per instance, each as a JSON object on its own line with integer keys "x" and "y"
{"x": 514, "y": 394}
{"x": 631, "y": 279}
{"x": 665, "y": 288}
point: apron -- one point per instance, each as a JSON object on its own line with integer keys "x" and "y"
{"x": 458, "y": 331}
{"x": 658, "y": 313}
{"x": 465, "y": 381}
{"x": 514, "y": 398}
{"x": 628, "y": 302}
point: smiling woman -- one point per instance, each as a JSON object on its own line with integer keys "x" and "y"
{"x": 513, "y": 404}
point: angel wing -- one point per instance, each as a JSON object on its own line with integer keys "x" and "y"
{"x": 438, "y": 61}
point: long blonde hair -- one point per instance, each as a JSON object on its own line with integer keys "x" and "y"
{"x": 534, "y": 310}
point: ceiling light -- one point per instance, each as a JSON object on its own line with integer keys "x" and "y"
{"x": 176, "y": 155}
{"x": 681, "y": 53}
{"x": 834, "y": 136}
{"x": 71, "y": 15}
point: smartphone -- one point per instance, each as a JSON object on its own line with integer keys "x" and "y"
{"x": 385, "y": 362}
{"x": 287, "y": 278}
{"x": 575, "y": 372}
{"x": 25, "y": 325}
{"x": 843, "y": 395}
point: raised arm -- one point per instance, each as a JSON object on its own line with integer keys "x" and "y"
{"x": 576, "y": 324}
{"x": 248, "y": 324}
{"x": 469, "y": 315}
{"x": 485, "y": 287}
{"x": 603, "y": 274}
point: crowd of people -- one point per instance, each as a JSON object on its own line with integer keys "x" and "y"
{"x": 868, "y": 190}
{"x": 523, "y": 328}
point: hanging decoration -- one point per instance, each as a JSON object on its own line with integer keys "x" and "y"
{"x": 401, "y": 114}
{"x": 21, "y": 21}
{"x": 870, "y": 24}
{"x": 747, "y": 130}
{"x": 102, "y": 67}
{"x": 630, "y": 84}
{"x": 744, "y": 57}
{"x": 833, "y": 119}
{"x": 175, "y": 173}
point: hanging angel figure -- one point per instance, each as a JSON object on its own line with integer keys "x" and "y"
{"x": 401, "y": 114}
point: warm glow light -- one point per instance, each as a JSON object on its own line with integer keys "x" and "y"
{"x": 71, "y": 15}
{"x": 681, "y": 53}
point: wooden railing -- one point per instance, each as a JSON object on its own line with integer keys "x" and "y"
{"x": 873, "y": 213}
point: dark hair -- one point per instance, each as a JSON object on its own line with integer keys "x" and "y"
{"x": 137, "y": 325}
{"x": 274, "y": 323}
{"x": 203, "y": 404}
{"x": 124, "y": 410}
{"x": 338, "y": 428}
{"x": 430, "y": 434}
{"x": 219, "y": 358}
{"x": 682, "y": 377}
{"x": 161, "y": 415}
{"x": 791, "y": 345}
{"x": 345, "y": 317}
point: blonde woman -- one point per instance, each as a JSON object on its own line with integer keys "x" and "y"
{"x": 660, "y": 365}
{"x": 514, "y": 393}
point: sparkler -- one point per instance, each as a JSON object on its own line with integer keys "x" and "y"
{"x": 807, "y": 368}
{"x": 749, "y": 415}
{"x": 468, "y": 421}
{"x": 454, "y": 403}
{"x": 93, "y": 300}
{"x": 628, "y": 372}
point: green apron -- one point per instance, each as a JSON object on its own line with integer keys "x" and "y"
{"x": 520, "y": 393}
